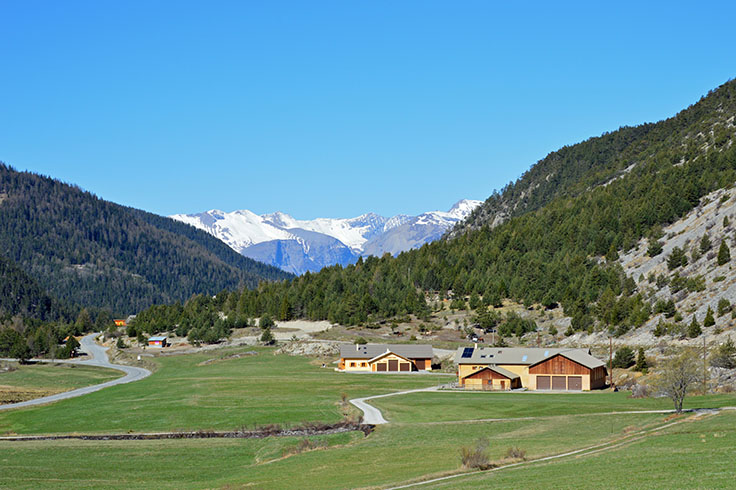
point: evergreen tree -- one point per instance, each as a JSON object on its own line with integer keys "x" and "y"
{"x": 705, "y": 244}
{"x": 641, "y": 361}
{"x": 655, "y": 248}
{"x": 267, "y": 337}
{"x": 725, "y": 355}
{"x": 623, "y": 358}
{"x": 724, "y": 254}
{"x": 709, "y": 320}
{"x": 676, "y": 259}
{"x": 693, "y": 330}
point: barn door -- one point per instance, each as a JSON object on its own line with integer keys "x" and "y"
{"x": 543, "y": 382}
{"x": 575, "y": 383}
{"x": 393, "y": 364}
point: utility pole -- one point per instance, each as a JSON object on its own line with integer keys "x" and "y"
{"x": 705, "y": 367}
{"x": 610, "y": 361}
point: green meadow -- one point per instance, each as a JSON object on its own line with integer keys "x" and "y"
{"x": 423, "y": 440}
{"x": 40, "y": 379}
{"x": 189, "y": 393}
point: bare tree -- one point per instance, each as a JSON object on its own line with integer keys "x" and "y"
{"x": 679, "y": 374}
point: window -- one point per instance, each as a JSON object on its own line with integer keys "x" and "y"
{"x": 363, "y": 364}
{"x": 352, "y": 364}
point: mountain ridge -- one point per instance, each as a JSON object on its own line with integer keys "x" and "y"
{"x": 308, "y": 245}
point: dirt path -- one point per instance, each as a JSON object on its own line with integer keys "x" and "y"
{"x": 597, "y": 448}
{"x": 98, "y": 357}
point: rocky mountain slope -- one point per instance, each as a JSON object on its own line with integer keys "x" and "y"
{"x": 309, "y": 245}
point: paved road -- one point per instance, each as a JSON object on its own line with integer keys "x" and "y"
{"x": 97, "y": 357}
{"x": 372, "y": 415}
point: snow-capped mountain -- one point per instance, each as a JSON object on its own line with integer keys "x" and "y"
{"x": 309, "y": 245}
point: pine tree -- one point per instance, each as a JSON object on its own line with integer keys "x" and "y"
{"x": 709, "y": 320}
{"x": 641, "y": 361}
{"x": 705, "y": 244}
{"x": 724, "y": 254}
{"x": 693, "y": 330}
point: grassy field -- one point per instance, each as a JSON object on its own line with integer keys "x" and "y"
{"x": 453, "y": 405}
{"x": 423, "y": 440}
{"x": 29, "y": 381}
{"x": 391, "y": 454}
{"x": 696, "y": 454}
{"x": 189, "y": 393}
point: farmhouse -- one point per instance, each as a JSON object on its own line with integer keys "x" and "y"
{"x": 494, "y": 368}
{"x": 385, "y": 357}
{"x": 159, "y": 341}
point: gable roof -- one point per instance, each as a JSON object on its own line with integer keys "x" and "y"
{"x": 387, "y": 353}
{"x": 369, "y": 351}
{"x": 526, "y": 356}
{"x": 159, "y": 338}
{"x": 576, "y": 355}
{"x": 499, "y": 370}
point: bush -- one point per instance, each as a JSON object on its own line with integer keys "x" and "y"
{"x": 361, "y": 341}
{"x": 515, "y": 452}
{"x": 267, "y": 337}
{"x": 266, "y": 321}
{"x": 724, "y": 356}
{"x": 120, "y": 344}
{"x": 641, "y": 361}
{"x": 476, "y": 456}
{"x": 724, "y": 306}
{"x": 623, "y": 358}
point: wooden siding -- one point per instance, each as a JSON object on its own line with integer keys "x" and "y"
{"x": 486, "y": 374}
{"x": 559, "y": 365}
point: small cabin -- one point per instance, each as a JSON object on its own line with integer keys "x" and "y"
{"x": 119, "y": 322}
{"x": 158, "y": 341}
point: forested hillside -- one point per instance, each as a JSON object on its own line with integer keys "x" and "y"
{"x": 561, "y": 247}
{"x": 86, "y": 251}
{"x": 20, "y": 295}
{"x": 575, "y": 169}
{"x": 600, "y": 197}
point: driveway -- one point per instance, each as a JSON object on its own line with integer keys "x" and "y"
{"x": 97, "y": 357}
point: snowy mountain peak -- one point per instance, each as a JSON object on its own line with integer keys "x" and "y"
{"x": 464, "y": 207}
{"x": 302, "y": 245}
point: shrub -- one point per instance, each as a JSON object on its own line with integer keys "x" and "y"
{"x": 724, "y": 306}
{"x": 267, "y": 337}
{"x": 724, "y": 356}
{"x": 120, "y": 344}
{"x": 476, "y": 456}
{"x": 623, "y": 358}
{"x": 361, "y": 341}
{"x": 515, "y": 452}
{"x": 266, "y": 321}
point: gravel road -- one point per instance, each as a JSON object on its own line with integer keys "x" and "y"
{"x": 97, "y": 357}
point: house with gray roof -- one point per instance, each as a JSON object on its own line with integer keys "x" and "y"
{"x": 385, "y": 357}
{"x": 538, "y": 368}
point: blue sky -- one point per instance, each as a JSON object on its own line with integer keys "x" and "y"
{"x": 335, "y": 108}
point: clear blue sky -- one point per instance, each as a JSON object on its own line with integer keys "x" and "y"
{"x": 335, "y": 108}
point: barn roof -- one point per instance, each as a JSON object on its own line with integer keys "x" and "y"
{"x": 369, "y": 351}
{"x": 499, "y": 370}
{"x": 526, "y": 356}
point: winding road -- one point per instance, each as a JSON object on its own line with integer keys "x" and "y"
{"x": 372, "y": 415}
{"x": 97, "y": 357}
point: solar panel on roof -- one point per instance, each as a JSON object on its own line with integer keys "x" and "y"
{"x": 467, "y": 352}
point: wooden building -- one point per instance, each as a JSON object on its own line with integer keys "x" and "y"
{"x": 385, "y": 358}
{"x": 536, "y": 368}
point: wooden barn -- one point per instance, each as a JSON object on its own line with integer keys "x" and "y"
{"x": 566, "y": 371}
{"x": 385, "y": 358}
{"x": 536, "y": 369}
{"x": 491, "y": 378}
